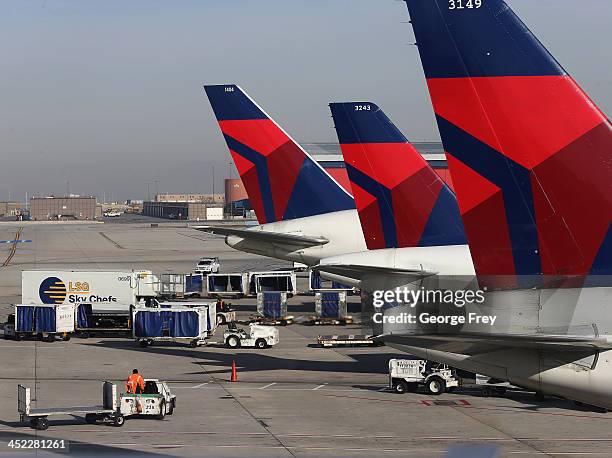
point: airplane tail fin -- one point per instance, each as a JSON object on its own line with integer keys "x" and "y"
{"x": 283, "y": 182}
{"x": 529, "y": 153}
{"x": 401, "y": 201}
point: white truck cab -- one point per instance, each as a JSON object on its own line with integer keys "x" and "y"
{"x": 258, "y": 336}
{"x": 157, "y": 400}
{"x": 407, "y": 374}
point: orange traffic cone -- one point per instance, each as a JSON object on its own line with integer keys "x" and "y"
{"x": 234, "y": 374}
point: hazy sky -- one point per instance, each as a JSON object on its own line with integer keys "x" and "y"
{"x": 106, "y": 94}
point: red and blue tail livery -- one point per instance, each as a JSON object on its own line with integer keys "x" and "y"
{"x": 401, "y": 201}
{"x": 529, "y": 153}
{"x": 283, "y": 182}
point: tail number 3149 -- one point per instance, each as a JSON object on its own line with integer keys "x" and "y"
{"x": 463, "y": 4}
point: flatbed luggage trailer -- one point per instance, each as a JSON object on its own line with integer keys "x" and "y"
{"x": 349, "y": 340}
{"x": 38, "y": 417}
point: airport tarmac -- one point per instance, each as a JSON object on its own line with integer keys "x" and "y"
{"x": 291, "y": 400}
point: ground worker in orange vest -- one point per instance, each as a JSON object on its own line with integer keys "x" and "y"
{"x": 135, "y": 383}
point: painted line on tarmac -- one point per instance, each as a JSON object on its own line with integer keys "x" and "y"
{"x": 200, "y": 385}
{"x": 268, "y": 386}
{"x": 317, "y": 388}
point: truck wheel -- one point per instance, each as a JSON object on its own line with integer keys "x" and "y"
{"x": 17, "y": 337}
{"x": 436, "y": 386}
{"x": 221, "y": 320}
{"x": 118, "y": 421}
{"x": 42, "y": 423}
{"x": 91, "y": 418}
{"x": 193, "y": 344}
{"x": 143, "y": 343}
{"x": 232, "y": 342}
{"x": 66, "y": 338}
{"x": 171, "y": 408}
{"x": 400, "y": 387}
{"x": 162, "y": 411}
{"x": 261, "y": 343}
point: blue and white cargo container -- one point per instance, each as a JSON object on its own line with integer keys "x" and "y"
{"x": 45, "y": 321}
{"x": 174, "y": 323}
{"x": 235, "y": 285}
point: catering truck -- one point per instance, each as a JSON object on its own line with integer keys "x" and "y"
{"x": 102, "y": 299}
{"x": 123, "y": 288}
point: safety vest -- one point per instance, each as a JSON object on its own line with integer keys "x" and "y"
{"x": 133, "y": 382}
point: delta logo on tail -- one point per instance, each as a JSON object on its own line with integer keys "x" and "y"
{"x": 400, "y": 199}
{"x": 283, "y": 182}
{"x": 528, "y": 151}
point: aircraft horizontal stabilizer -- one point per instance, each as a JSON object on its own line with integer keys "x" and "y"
{"x": 357, "y": 271}
{"x": 473, "y": 343}
{"x": 266, "y": 236}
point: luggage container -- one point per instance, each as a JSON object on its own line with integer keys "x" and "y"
{"x": 272, "y": 308}
{"x": 273, "y": 281}
{"x": 228, "y": 285}
{"x": 43, "y": 321}
{"x": 330, "y": 308}
{"x": 317, "y": 283}
{"x": 173, "y": 323}
{"x": 179, "y": 285}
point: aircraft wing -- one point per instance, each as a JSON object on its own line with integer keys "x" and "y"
{"x": 266, "y": 236}
{"x": 474, "y": 343}
{"x": 357, "y": 271}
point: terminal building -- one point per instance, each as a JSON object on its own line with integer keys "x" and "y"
{"x": 64, "y": 208}
{"x": 191, "y": 207}
{"x": 10, "y": 208}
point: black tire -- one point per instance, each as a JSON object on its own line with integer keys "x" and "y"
{"x": 66, "y": 338}
{"x": 172, "y": 406}
{"x": 42, "y": 423}
{"x": 221, "y": 320}
{"x": 400, "y": 387}
{"x": 193, "y": 344}
{"x": 143, "y": 343}
{"x": 261, "y": 343}
{"x": 436, "y": 386}
{"x": 119, "y": 421}
{"x": 162, "y": 411}
{"x": 18, "y": 337}
{"x": 232, "y": 342}
{"x": 539, "y": 396}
